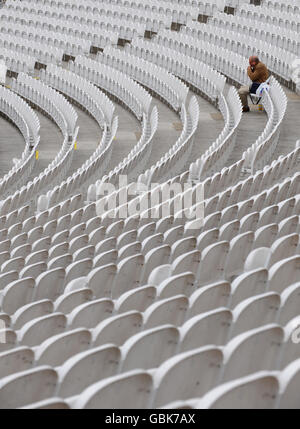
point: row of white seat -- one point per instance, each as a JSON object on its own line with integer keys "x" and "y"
{"x": 251, "y": 186}
{"x": 113, "y": 57}
{"x": 177, "y": 13}
{"x": 73, "y": 29}
{"x": 149, "y": 21}
{"x": 194, "y": 72}
{"x": 17, "y": 61}
{"x": 42, "y": 95}
{"x": 262, "y": 390}
{"x": 70, "y": 45}
{"x": 103, "y": 385}
{"x": 32, "y": 48}
{"x": 286, "y": 39}
{"x": 136, "y": 161}
{"x": 291, "y": 7}
{"x": 275, "y": 102}
{"x": 266, "y": 14}
{"x": 267, "y": 142}
{"x": 269, "y": 175}
{"x": 94, "y": 101}
{"x": 225, "y": 61}
{"x": 218, "y": 153}
{"x": 116, "y": 83}
{"x": 26, "y": 281}
{"x": 277, "y": 59}
{"x": 173, "y": 90}
{"x": 26, "y": 120}
{"x": 231, "y": 116}
{"x": 122, "y": 87}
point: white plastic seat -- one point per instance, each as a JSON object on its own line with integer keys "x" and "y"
{"x": 202, "y": 330}
{"x": 289, "y": 382}
{"x": 89, "y": 315}
{"x": 213, "y": 262}
{"x": 248, "y": 285}
{"x": 100, "y": 280}
{"x": 48, "y": 404}
{"x": 180, "y": 284}
{"x": 87, "y": 368}
{"x": 209, "y": 297}
{"x": 78, "y": 269}
{"x": 166, "y": 311}
{"x": 31, "y": 311}
{"x": 128, "y": 275}
{"x": 289, "y": 304}
{"x": 125, "y": 391}
{"x": 137, "y": 299}
{"x": 38, "y": 330}
{"x": 26, "y": 387}
{"x": 187, "y": 375}
{"x": 150, "y": 348}
{"x": 57, "y": 349}
{"x": 17, "y": 360}
{"x": 284, "y": 273}
{"x": 67, "y": 302}
{"x": 17, "y": 294}
{"x": 257, "y": 391}
{"x": 49, "y": 285}
{"x": 255, "y": 312}
{"x": 117, "y": 329}
{"x": 252, "y": 351}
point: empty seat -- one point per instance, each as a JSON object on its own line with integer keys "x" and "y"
{"x": 117, "y": 329}
{"x": 166, "y": 311}
{"x": 87, "y": 368}
{"x": 150, "y": 348}
{"x": 26, "y": 387}
{"x": 38, "y": 330}
{"x": 57, "y": 349}
{"x": 187, "y": 375}
{"x": 89, "y": 315}
{"x": 202, "y": 330}
{"x": 257, "y": 391}
{"x": 252, "y": 351}
{"x": 125, "y": 391}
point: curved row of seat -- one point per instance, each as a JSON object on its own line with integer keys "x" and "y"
{"x": 70, "y": 28}
{"x": 277, "y": 59}
{"x": 167, "y": 86}
{"x": 196, "y": 73}
{"x": 18, "y": 111}
{"x": 17, "y": 62}
{"x": 267, "y": 14}
{"x": 42, "y": 95}
{"x": 70, "y": 45}
{"x": 175, "y": 12}
{"x": 114, "y": 82}
{"x": 286, "y": 39}
{"x": 32, "y": 48}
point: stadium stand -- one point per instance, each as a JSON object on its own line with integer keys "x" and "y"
{"x": 149, "y": 230}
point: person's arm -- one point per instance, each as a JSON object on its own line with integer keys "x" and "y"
{"x": 254, "y": 75}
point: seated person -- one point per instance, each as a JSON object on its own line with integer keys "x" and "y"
{"x": 258, "y": 73}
